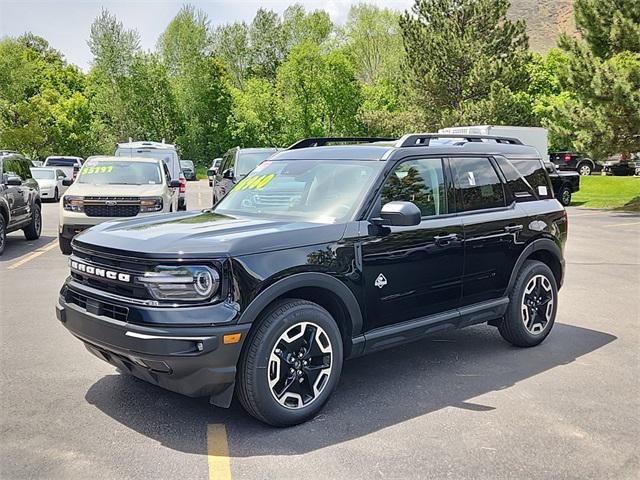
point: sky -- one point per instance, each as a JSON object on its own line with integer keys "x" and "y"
{"x": 65, "y": 23}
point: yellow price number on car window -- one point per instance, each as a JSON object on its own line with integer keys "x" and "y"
{"x": 255, "y": 182}
{"x": 97, "y": 169}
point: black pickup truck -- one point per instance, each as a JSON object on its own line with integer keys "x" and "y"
{"x": 565, "y": 184}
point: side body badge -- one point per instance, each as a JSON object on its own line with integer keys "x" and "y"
{"x": 381, "y": 281}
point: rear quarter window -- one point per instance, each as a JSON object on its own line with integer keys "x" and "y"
{"x": 534, "y": 173}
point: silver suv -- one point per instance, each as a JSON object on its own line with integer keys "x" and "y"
{"x": 164, "y": 151}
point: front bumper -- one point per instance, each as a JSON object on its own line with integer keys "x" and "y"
{"x": 193, "y": 361}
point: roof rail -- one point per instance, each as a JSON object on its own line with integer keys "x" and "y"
{"x": 423, "y": 139}
{"x": 323, "y": 141}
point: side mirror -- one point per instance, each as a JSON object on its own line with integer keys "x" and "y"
{"x": 67, "y": 182}
{"x": 174, "y": 184}
{"x": 228, "y": 174}
{"x": 211, "y": 172}
{"x": 399, "y": 214}
{"x": 14, "y": 181}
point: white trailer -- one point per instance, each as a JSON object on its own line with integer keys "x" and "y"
{"x": 533, "y": 136}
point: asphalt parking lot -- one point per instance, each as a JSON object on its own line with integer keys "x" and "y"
{"x": 458, "y": 405}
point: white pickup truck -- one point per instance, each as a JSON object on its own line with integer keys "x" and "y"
{"x": 69, "y": 165}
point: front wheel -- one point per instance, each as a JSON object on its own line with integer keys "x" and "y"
{"x": 291, "y": 363}
{"x": 565, "y": 196}
{"x": 584, "y": 169}
{"x": 32, "y": 231}
{"x": 533, "y": 306}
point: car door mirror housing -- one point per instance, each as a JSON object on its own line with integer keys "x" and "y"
{"x": 211, "y": 172}
{"x": 14, "y": 181}
{"x": 228, "y": 174}
{"x": 67, "y": 182}
{"x": 174, "y": 184}
{"x": 399, "y": 214}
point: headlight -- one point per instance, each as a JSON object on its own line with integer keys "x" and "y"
{"x": 151, "y": 204}
{"x": 73, "y": 204}
{"x": 189, "y": 283}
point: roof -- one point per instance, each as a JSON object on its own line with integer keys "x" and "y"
{"x": 147, "y": 144}
{"x": 387, "y": 151}
{"x": 112, "y": 158}
{"x": 258, "y": 149}
{"x": 63, "y": 156}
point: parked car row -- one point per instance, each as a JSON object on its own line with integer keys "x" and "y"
{"x": 617, "y": 165}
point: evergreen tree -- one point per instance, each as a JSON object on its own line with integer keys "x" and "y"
{"x": 602, "y": 74}
{"x": 466, "y": 61}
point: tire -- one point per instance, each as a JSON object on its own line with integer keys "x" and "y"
{"x": 275, "y": 342}
{"x": 56, "y": 196}
{"x": 565, "y": 196}
{"x": 514, "y": 327}
{"x": 3, "y": 233}
{"x": 585, "y": 169}
{"x": 65, "y": 245}
{"x": 33, "y": 230}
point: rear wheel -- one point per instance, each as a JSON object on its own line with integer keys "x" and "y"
{"x": 533, "y": 306}
{"x": 65, "y": 245}
{"x": 565, "y": 196}
{"x": 3, "y": 233}
{"x": 291, "y": 363}
{"x": 584, "y": 169}
{"x": 32, "y": 231}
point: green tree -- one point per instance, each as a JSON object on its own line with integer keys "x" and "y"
{"x": 320, "y": 93}
{"x": 466, "y": 61}
{"x": 302, "y": 27}
{"x": 231, "y": 44}
{"x": 267, "y": 44}
{"x": 601, "y": 114}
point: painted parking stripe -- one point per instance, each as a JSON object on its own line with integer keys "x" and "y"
{"x": 218, "y": 452}
{"x": 33, "y": 255}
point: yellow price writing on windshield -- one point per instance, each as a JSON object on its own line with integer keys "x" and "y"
{"x": 100, "y": 169}
{"x": 255, "y": 182}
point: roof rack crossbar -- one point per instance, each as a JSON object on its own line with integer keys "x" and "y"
{"x": 423, "y": 139}
{"x": 323, "y": 141}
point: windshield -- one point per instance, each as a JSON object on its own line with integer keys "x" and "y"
{"x": 247, "y": 161}
{"x": 60, "y": 162}
{"x": 120, "y": 173}
{"x": 324, "y": 191}
{"x": 43, "y": 174}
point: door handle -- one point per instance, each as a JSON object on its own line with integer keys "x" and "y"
{"x": 442, "y": 240}
{"x": 513, "y": 228}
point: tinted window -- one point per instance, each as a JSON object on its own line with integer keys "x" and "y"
{"x": 533, "y": 172}
{"x": 17, "y": 166}
{"x": 249, "y": 161}
{"x": 60, "y": 162}
{"x": 518, "y": 186}
{"x": 477, "y": 184}
{"x": 226, "y": 161}
{"x": 418, "y": 181}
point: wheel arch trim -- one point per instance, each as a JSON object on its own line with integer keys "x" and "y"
{"x": 540, "y": 244}
{"x": 301, "y": 280}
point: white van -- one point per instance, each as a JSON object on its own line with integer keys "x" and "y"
{"x": 159, "y": 150}
{"x": 533, "y": 136}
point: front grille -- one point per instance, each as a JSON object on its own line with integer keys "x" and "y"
{"x": 121, "y": 206}
{"x": 111, "y": 210}
{"x": 98, "y": 307}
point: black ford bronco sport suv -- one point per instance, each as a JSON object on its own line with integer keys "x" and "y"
{"x": 320, "y": 254}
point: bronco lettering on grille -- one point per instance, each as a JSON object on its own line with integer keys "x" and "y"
{"x": 99, "y": 272}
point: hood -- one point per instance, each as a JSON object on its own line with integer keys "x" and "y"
{"x": 91, "y": 190}
{"x": 204, "y": 234}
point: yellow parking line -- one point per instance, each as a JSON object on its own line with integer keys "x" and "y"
{"x": 622, "y": 224}
{"x": 35, "y": 254}
{"x": 218, "y": 452}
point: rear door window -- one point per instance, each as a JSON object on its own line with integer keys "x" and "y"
{"x": 477, "y": 184}
{"x": 519, "y": 187}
